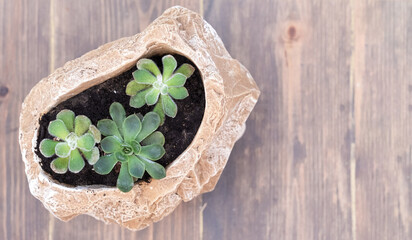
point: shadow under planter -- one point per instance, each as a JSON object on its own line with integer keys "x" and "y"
{"x": 230, "y": 94}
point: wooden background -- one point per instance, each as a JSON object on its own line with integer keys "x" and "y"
{"x": 328, "y": 149}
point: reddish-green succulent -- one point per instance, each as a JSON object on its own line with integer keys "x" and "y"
{"x": 74, "y": 140}
{"x": 152, "y": 87}
{"x": 134, "y": 142}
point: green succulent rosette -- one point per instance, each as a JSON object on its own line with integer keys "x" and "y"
{"x": 74, "y": 140}
{"x": 152, "y": 87}
{"x": 134, "y": 142}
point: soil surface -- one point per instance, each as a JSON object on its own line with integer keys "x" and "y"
{"x": 95, "y": 102}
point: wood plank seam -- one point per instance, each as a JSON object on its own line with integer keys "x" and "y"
{"x": 51, "y": 69}
{"x": 352, "y": 170}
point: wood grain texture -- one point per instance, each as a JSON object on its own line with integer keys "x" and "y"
{"x": 23, "y": 44}
{"x": 383, "y": 113}
{"x": 327, "y": 151}
{"x": 289, "y": 176}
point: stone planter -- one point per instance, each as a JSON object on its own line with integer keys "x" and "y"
{"x": 230, "y": 93}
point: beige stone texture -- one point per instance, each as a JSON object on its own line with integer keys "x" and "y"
{"x": 231, "y": 94}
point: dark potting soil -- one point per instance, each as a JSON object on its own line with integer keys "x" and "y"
{"x": 95, "y": 102}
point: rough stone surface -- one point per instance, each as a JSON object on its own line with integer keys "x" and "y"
{"x": 231, "y": 94}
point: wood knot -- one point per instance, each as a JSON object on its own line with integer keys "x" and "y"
{"x": 292, "y": 32}
{"x": 3, "y": 91}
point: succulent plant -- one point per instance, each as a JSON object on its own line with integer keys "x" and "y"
{"x": 74, "y": 140}
{"x": 151, "y": 87}
{"x": 134, "y": 142}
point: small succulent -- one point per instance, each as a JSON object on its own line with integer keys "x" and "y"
{"x": 75, "y": 140}
{"x": 134, "y": 142}
{"x": 151, "y": 87}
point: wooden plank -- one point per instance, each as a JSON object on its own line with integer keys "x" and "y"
{"x": 289, "y": 176}
{"x": 81, "y": 26}
{"x": 23, "y": 61}
{"x": 383, "y": 113}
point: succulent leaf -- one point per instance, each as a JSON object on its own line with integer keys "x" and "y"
{"x": 133, "y": 88}
{"x": 144, "y": 77}
{"x": 148, "y": 65}
{"x": 58, "y": 129}
{"x": 105, "y": 164}
{"x": 131, "y": 127}
{"x": 159, "y": 110}
{"x": 155, "y": 170}
{"x": 152, "y": 152}
{"x": 154, "y": 138}
{"x": 138, "y": 100}
{"x": 150, "y": 123}
{"x": 136, "y": 147}
{"x": 152, "y": 96}
{"x": 47, "y": 147}
{"x": 118, "y": 114}
{"x": 169, "y": 106}
{"x": 178, "y": 92}
{"x": 62, "y": 149}
{"x": 81, "y": 124}
{"x": 169, "y": 66}
{"x": 136, "y": 167}
{"x": 186, "y": 69}
{"x": 86, "y": 142}
{"x": 111, "y": 144}
{"x": 177, "y": 80}
{"x": 91, "y": 156}
{"x": 108, "y": 127}
{"x": 59, "y": 165}
{"x": 124, "y": 181}
{"x": 67, "y": 116}
{"x": 121, "y": 157}
{"x": 95, "y": 133}
{"x": 76, "y": 162}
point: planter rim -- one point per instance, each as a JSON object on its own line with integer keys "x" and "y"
{"x": 230, "y": 94}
